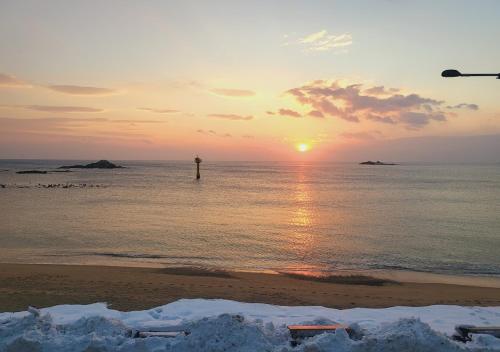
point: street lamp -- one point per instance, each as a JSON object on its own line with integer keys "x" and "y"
{"x": 456, "y": 73}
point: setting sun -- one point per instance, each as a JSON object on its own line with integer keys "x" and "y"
{"x": 303, "y": 147}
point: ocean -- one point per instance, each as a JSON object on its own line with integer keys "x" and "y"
{"x": 255, "y": 216}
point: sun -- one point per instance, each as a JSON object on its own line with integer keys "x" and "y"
{"x": 303, "y": 147}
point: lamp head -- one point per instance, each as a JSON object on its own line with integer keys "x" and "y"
{"x": 451, "y": 73}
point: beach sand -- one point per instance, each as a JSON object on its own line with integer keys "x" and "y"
{"x": 129, "y": 288}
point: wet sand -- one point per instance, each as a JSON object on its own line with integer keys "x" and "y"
{"x": 127, "y": 288}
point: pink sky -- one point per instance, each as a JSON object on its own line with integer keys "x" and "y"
{"x": 242, "y": 82}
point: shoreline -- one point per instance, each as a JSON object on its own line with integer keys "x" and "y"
{"x": 404, "y": 276}
{"x": 136, "y": 288}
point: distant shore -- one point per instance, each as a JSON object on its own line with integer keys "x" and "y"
{"x": 132, "y": 288}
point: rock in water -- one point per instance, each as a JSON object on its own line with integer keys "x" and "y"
{"x": 101, "y": 164}
{"x": 378, "y": 162}
{"x": 31, "y": 172}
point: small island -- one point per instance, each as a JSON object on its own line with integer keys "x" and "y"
{"x": 101, "y": 164}
{"x": 31, "y": 172}
{"x": 378, "y": 162}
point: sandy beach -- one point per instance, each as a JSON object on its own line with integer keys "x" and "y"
{"x": 127, "y": 288}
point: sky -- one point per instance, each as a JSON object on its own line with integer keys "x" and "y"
{"x": 249, "y": 80}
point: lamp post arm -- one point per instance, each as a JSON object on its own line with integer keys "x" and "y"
{"x": 480, "y": 74}
{"x": 456, "y": 73}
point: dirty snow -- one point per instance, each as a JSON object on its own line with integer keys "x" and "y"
{"x": 221, "y": 325}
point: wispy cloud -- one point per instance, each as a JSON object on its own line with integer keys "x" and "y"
{"x": 289, "y": 112}
{"x": 56, "y": 130}
{"x": 362, "y": 136}
{"x": 464, "y": 106}
{"x": 213, "y": 133}
{"x": 82, "y": 90}
{"x": 316, "y": 113}
{"x": 231, "y": 116}
{"x": 285, "y": 112}
{"x": 229, "y": 92}
{"x": 62, "y": 123}
{"x": 134, "y": 122}
{"x": 61, "y": 109}
{"x": 380, "y": 90}
{"x": 11, "y": 81}
{"x": 324, "y": 41}
{"x": 355, "y": 102}
{"x": 160, "y": 111}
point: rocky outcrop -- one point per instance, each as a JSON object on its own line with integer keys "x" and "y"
{"x": 54, "y": 185}
{"x": 31, "y": 172}
{"x": 369, "y": 162}
{"x": 101, "y": 164}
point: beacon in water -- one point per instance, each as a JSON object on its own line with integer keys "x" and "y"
{"x": 197, "y": 160}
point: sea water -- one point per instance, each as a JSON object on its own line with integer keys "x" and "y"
{"x": 280, "y": 216}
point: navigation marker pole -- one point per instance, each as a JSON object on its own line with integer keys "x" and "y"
{"x": 197, "y": 160}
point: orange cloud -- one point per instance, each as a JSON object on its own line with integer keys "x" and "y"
{"x": 354, "y": 103}
{"x": 231, "y": 116}
{"x": 285, "y": 112}
{"x": 160, "y": 111}
{"x": 11, "y": 81}
{"x": 60, "y": 123}
{"x": 316, "y": 113}
{"x": 64, "y": 109}
{"x": 213, "y": 133}
{"x": 81, "y": 90}
{"x": 361, "y": 135}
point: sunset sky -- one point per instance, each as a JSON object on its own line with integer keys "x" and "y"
{"x": 249, "y": 80}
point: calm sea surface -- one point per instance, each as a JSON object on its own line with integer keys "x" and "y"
{"x": 256, "y": 216}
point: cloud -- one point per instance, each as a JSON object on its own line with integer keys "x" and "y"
{"x": 133, "y": 122}
{"x": 362, "y": 136}
{"x": 60, "y": 123}
{"x": 382, "y": 119}
{"x": 285, "y": 112}
{"x": 323, "y": 41}
{"x": 81, "y": 90}
{"x": 314, "y": 37}
{"x": 231, "y": 116}
{"x": 228, "y": 92}
{"x": 63, "y": 109}
{"x": 47, "y": 124}
{"x": 316, "y": 113}
{"x": 380, "y": 90}
{"x": 213, "y": 133}
{"x": 419, "y": 119}
{"x": 355, "y": 102}
{"x": 474, "y": 107}
{"x": 11, "y": 81}
{"x": 160, "y": 111}
{"x": 289, "y": 112}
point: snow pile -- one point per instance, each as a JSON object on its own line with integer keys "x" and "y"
{"x": 219, "y": 325}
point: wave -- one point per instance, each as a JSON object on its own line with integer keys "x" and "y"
{"x": 129, "y": 255}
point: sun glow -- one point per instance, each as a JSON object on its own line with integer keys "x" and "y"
{"x": 303, "y": 147}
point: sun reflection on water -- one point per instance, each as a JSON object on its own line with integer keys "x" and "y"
{"x": 301, "y": 239}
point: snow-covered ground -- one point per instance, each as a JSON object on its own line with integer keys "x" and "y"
{"x": 220, "y": 325}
